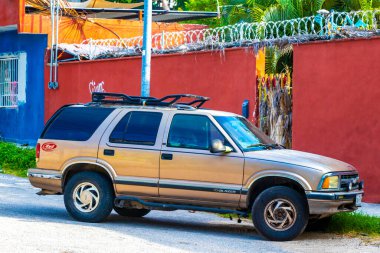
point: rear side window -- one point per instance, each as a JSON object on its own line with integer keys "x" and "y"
{"x": 139, "y": 128}
{"x": 76, "y": 123}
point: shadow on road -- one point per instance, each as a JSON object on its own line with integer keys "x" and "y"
{"x": 156, "y": 221}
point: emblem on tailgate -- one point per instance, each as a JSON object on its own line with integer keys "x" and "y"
{"x": 49, "y": 146}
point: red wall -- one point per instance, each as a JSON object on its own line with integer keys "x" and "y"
{"x": 9, "y": 10}
{"x": 226, "y": 77}
{"x": 336, "y": 105}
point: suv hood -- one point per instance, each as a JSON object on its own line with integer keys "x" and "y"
{"x": 304, "y": 159}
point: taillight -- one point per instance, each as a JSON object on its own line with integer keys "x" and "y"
{"x": 38, "y": 151}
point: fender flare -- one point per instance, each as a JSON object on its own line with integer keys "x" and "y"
{"x": 88, "y": 160}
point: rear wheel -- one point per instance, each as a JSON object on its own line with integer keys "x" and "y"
{"x": 280, "y": 213}
{"x": 89, "y": 197}
{"x": 131, "y": 212}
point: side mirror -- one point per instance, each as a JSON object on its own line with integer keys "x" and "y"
{"x": 217, "y": 146}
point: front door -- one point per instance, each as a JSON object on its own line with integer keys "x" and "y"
{"x": 189, "y": 171}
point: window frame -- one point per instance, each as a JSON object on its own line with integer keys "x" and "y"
{"x": 135, "y": 143}
{"x": 261, "y": 136}
{"x": 12, "y": 91}
{"x": 58, "y": 113}
{"x": 232, "y": 145}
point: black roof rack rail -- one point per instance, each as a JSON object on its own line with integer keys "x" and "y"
{"x": 170, "y": 100}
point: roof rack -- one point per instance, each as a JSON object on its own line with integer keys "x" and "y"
{"x": 168, "y": 101}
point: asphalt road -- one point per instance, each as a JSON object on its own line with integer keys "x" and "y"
{"x": 31, "y": 223}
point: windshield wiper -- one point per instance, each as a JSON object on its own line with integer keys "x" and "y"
{"x": 276, "y": 145}
{"x": 265, "y": 145}
{"x": 258, "y": 145}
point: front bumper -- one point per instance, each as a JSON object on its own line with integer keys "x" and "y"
{"x": 327, "y": 203}
{"x": 49, "y": 180}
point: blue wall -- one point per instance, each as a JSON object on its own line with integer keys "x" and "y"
{"x": 24, "y": 124}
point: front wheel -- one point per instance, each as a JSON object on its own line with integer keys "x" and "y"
{"x": 131, "y": 212}
{"x": 280, "y": 213}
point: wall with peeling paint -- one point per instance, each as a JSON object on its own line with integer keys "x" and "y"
{"x": 24, "y": 123}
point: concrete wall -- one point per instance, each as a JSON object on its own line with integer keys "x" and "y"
{"x": 227, "y": 77}
{"x": 24, "y": 124}
{"x": 336, "y": 104}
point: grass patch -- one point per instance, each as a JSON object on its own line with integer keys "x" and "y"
{"x": 16, "y": 160}
{"x": 354, "y": 223}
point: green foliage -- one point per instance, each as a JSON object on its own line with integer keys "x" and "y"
{"x": 16, "y": 160}
{"x": 181, "y": 4}
{"x": 203, "y": 5}
{"x": 355, "y": 223}
{"x": 351, "y": 5}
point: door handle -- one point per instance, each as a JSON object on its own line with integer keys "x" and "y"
{"x": 166, "y": 156}
{"x": 109, "y": 152}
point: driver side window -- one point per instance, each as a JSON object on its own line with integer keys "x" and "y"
{"x": 193, "y": 132}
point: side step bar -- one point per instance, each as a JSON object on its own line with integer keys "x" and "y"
{"x": 119, "y": 202}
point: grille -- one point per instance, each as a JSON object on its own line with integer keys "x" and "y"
{"x": 345, "y": 180}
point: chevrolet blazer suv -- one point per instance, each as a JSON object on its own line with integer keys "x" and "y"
{"x": 137, "y": 154}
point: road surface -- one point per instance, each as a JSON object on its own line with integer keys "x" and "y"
{"x": 32, "y": 223}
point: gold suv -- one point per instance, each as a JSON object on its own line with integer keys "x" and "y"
{"x": 137, "y": 154}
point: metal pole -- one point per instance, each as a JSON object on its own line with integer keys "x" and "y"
{"x": 52, "y": 12}
{"x": 147, "y": 49}
{"x": 57, "y": 7}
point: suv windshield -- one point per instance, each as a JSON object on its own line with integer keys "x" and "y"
{"x": 244, "y": 133}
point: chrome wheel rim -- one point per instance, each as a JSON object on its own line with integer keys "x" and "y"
{"x": 86, "y": 197}
{"x": 280, "y": 214}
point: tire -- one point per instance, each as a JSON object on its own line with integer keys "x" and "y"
{"x": 274, "y": 223}
{"x": 89, "y": 197}
{"x": 318, "y": 224}
{"x": 131, "y": 212}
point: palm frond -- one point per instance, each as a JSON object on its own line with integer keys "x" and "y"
{"x": 271, "y": 60}
{"x": 365, "y": 4}
{"x": 316, "y": 5}
{"x": 257, "y": 14}
{"x": 274, "y": 13}
{"x": 263, "y": 3}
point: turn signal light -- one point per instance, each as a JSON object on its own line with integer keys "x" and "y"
{"x": 331, "y": 182}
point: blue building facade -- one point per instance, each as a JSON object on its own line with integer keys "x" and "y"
{"x": 21, "y": 86}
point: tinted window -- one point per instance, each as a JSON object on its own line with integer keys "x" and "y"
{"x": 137, "y": 128}
{"x": 76, "y": 123}
{"x": 193, "y": 131}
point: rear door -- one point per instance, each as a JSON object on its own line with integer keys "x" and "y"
{"x": 131, "y": 145}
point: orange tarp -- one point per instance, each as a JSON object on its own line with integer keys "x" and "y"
{"x": 76, "y": 30}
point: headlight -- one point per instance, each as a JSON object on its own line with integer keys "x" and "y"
{"x": 331, "y": 182}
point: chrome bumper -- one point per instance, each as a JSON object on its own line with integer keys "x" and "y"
{"x": 327, "y": 203}
{"x": 46, "y": 179}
